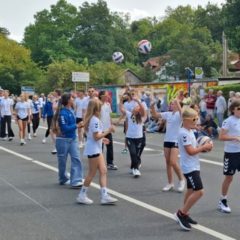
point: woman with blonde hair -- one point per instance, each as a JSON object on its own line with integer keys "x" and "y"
{"x": 22, "y": 117}
{"x": 173, "y": 123}
{"x": 93, "y": 150}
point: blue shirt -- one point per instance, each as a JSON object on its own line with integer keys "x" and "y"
{"x": 67, "y": 123}
{"x": 47, "y": 110}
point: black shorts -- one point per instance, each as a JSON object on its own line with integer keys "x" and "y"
{"x": 170, "y": 144}
{"x": 194, "y": 180}
{"x": 94, "y": 155}
{"x": 78, "y": 120}
{"x": 231, "y": 163}
{"x": 23, "y": 119}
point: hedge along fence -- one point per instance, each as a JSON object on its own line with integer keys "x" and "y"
{"x": 226, "y": 89}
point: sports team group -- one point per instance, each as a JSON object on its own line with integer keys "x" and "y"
{"x": 82, "y": 120}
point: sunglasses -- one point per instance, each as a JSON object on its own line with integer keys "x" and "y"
{"x": 193, "y": 119}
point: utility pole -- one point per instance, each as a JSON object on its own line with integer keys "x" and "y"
{"x": 224, "y": 60}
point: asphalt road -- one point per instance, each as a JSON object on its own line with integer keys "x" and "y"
{"x": 34, "y": 207}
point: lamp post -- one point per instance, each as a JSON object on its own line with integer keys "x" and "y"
{"x": 190, "y": 74}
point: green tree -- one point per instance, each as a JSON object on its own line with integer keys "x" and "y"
{"x": 93, "y": 37}
{"x": 49, "y": 38}
{"x": 212, "y": 18}
{"x": 16, "y": 67}
{"x": 232, "y": 23}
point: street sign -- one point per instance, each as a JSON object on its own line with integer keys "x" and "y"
{"x": 80, "y": 77}
{"x": 198, "y": 72}
{"x": 28, "y": 90}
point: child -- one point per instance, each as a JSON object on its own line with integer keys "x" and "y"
{"x": 93, "y": 149}
{"x": 134, "y": 134}
{"x": 230, "y": 133}
{"x": 190, "y": 165}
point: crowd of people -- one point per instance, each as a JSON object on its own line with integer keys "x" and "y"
{"x": 78, "y": 120}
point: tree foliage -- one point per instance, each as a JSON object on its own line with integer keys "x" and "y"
{"x": 66, "y": 39}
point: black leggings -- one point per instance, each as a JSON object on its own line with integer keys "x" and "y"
{"x": 35, "y": 121}
{"x": 49, "y": 123}
{"x": 135, "y": 147}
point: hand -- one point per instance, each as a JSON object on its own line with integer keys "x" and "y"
{"x": 112, "y": 129}
{"x": 152, "y": 104}
{"x": 237, "y": 139}
{"x": 208, "y": 146}
{"x": 105, "y": 141}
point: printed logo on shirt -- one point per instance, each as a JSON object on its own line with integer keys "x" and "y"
{"x": 96, "y": 125}
{"x": 185, "y": 138}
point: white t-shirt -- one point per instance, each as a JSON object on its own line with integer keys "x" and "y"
{"x": 134, "y": 130}
{"x": 92, "y": 146}
{"x": 188, "y": 163}
{"x": 79, "y": 102}
{"x": 174, "y": 122}
{"x": 232, "y": 125}
{"x": 129, "y": 106}
{"x": 6, "y": 105}
{"x": 22, "y": 109}
{"x": 105, "y": 116}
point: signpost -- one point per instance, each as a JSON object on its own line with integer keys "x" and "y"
{"x": 190, "y": 74}
{"x": 82, "y": 77}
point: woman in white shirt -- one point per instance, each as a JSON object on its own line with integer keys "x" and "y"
{"x": 22, "y": 117}
{"x": 93, "y": 150}
{"x": 173, "y": 124}
{"x": 134, "y": 134}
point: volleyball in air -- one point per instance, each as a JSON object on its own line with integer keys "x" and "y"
{"x": 117, "y": 57}
{"x": 144, "y": 46}
{"x": 202, "y": 140}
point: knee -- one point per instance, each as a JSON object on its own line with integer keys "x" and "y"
{"x": 103, "y": 171}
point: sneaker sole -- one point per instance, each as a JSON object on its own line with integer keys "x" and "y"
{"x": 84, "y": 203}
{"x": 109, "y": 203}
{"x": 169, "y": 190}
{"x": 223, "y": 211}
{"x": 181, "y": 225}
{"x": 136, "y": 176}
{"x": 76, "y": 187}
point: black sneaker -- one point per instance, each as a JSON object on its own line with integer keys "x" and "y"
{"x": 191, "y": 221}
{"x": 183, "y": 221}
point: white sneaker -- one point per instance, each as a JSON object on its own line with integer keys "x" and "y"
{"x": 4, "y": 139}
{"x": 136, "y": 173}
{"x": 223, "y": 206}
{"x": 168, "y": 187}
{"x": 83, "y": 199}
{"x": 107, "y": 199}
{"x": 44, "y": 140}
{"x": 34, "y": 134}
{"x": 29, "y": 137}
{"x": 54, "y": 151}
{"x": 80, "y": 145}
{"x": 22, "y": 142}
{"x": 181, "y": 186}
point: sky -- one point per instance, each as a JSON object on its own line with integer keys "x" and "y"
{"x": 15, "y": 15}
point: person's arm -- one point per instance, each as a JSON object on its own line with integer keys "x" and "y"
{"x": 141, "y": 110}
{"x": 154, "y": 114}
{"x": 223, "y": 136}
{"x": 97, "y": 135}
{"x": 121, "y": 107}
{"x": 195, "y": 150}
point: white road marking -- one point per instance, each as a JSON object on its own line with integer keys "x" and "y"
{"x": 24, "y": 194}
{"x": 149, "y": 207}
